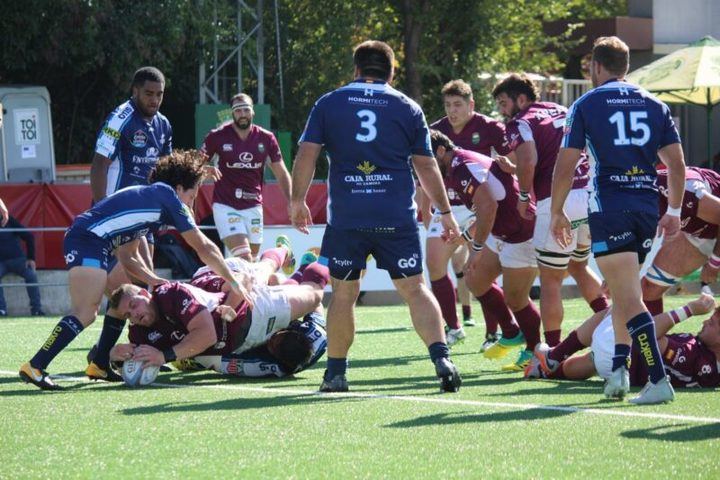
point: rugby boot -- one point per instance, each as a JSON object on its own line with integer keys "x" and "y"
{"x": 288, "y": 267}
{"x": 618, "y": 385}
{"x": 94, "y": 372}
{"x": 519, "y": 365}
{"x": 469, "y": 322}
{"x": 533, "y": 369}
{"x": 37, "y": 377}
{"x": 455, "y": 336}
{"x": 448, "y": 374}
{"x": 187, "y": 365}
{"x": 490, "y": 340}
{"x": 504, "y": 346}
{"x": 308, "y": 257}
{"x": 652, "y": 393}
{"x": 547, "y": 365}
{"x": 336, "y": 384}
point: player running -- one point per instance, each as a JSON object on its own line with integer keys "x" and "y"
{"x": 625, "y": 130}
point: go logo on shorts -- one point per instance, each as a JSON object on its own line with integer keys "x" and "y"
{"x": 408, "y": 262}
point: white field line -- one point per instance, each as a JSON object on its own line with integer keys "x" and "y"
{"x": 634, "y": 413}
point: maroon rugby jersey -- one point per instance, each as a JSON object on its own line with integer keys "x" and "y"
{"x": 542, "y": 123}
{"x": 177, "y": 305}
{"x": 242, "y": 164}
{"x": 697, "y": 182}
{"x": 467, "y": 171}
{"x": 688, "y": 362}
{"x": 480, "y": 134}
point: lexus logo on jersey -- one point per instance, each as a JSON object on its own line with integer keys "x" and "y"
{"x": 245, "y": 157}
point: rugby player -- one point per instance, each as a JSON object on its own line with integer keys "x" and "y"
{"x": 696, "y": 246}
{"x": 115, "y": 227}
{"x": 534, "y": 132}
{"x": 243, "y": 149}
{"x": 625, "y": 129}
{"x": 370, "y": 130}
{"x": 501, "y": 243}
{"x": 473, "y": 131}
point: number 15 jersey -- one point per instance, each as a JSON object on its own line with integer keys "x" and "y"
{"x": 369, "y": 130}
{"x": 623, "y": 127}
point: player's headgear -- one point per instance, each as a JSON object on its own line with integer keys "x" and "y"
{"x": 374, "y": 59}
{"x": 613, "y": 54}
{"x": 241, "y": 100}
{"x": 514, "y": 85}
{"x": 290, "y": 347}
{"x": 147, "y": 74}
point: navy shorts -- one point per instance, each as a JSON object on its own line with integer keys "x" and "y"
{"x": 345, "y": 252}
{"x": 83, "y": 249}
{"x": 616, "y": 232}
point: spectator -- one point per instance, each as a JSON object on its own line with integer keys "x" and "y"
{"x": 14, "y": 260}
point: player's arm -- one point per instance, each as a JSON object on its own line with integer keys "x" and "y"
{"x": 283, "y": 177}
{"x": 665, "y": 321}
{"x": 132, "y": 261}
{"x": 485, "y": 208}
{"x": 4, "y": 215}
{"x": 424, "y": 206}
{"x": 428, "y": 173}
{"x": 709, "y": 211}
{"x": 525, "y": 162}
{"x": 672, "y": 156}
{"x": 302, "y": 174}
{"x": 561, "y": 185}
{"x": 98, "y": 176}
{"x": 201, "y": 336}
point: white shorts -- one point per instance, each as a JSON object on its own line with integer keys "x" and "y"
{"x": 603, "y": 347}
{"x": 248, "y": 222}
{"x": 463, "y": 215}
{"x": 270, "y": 313}
{"x": 704, "y": 245}
{"x": 513, "y": 255}
{"x": 235, "y": 264}
{"x": 576, "y": 208}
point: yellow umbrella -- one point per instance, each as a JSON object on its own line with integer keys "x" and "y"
{"x": 689, "y": 75}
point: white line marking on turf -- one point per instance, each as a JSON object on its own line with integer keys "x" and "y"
{"x": 407, "y": 398}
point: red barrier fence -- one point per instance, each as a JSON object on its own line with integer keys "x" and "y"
{"x": 45, "y": 205}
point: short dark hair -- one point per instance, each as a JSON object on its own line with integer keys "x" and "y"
{"x": 181, "y": 167}
{"x": 374, "y": 59}
{"x": 126, "y": 289}
{"x": 439, "y": 139}
{"x": 515, "y": 84}
{"x": 241, "y": 98}
{"x": 613, "y": 54}
{"x": 290, "y": 348}
{"x": 459, "y": 88}
{"x": 147, "y": 74}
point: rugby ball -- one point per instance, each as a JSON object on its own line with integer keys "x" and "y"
{"x": 136, "y": 373}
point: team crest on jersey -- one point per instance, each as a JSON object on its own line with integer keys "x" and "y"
{"x": 227, "y": 147}
{"x": 139, "y": 139}
{"x": 476, "y": 138}
{"x": 366, "y": 167}
{"x": 261, "y": 147}
{"x": 154, "y": 336}
{"x": 151, "y": 152}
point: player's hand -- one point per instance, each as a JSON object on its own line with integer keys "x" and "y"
{"x": 702, "y": 305}
{"x": 505, "y": 164}
{"x": 525, "y": 209}
{"x": 300, "y": 216}
{"x": 242, "y": 289}
{"x": 31, "y": 265}
{"x": 708, "y": 274}
{"x": 451, "y": 230}
{"x": 226, "y": 312}
{"x": 122, "y": 352}
{"x": 4, "y": 215}
{"x": 150, "y": 355}
{"x": 212, "y": 173}
{"x": 669, "y": 227}
{"x": 561, "y": 229}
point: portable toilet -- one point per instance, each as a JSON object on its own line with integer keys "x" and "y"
{"x": 27, "y": 153}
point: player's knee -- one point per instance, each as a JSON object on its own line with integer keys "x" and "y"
{"x": 659, "y": 277}
{"x": 552, "y": 260}
{"x": 579, "y": 255}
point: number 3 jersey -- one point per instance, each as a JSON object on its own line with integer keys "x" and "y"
{"x": 369, "y": 130}
{"x": 623, "y": 127}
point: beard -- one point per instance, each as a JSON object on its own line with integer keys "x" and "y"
{"x": 243, "y": 123}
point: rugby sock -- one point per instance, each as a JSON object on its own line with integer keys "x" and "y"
{"x": 642, "y": 330}
{"x": 335, "y": 367}
{"x": 566, "y": 348}
{"x": 495, "y": 310}
{"x": 552, "y": 337}
{"x": 655, "y": 307}
{"x": 529, "y": 320}
{"x": 445, "y": 293}
{"x": 316, "y": 273}
{"x": 467, "y": 312}
{"x": 621, "y": 357}
{"x": 438, "y": 350}
{"x": 112, "y": 328}
{"x": 64, "y": 332}
{"x": 277, "y": 255}
{"x": 558, "y": 374}
{"x": 296, "y": 278}
{"x": 599, "y": 304}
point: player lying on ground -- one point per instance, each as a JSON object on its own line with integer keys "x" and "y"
{"x": 690, "y": 360}
{"x": 696, "y": 246}
{"x": 492, "y": 194}
{"x": 179, "y": 321}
